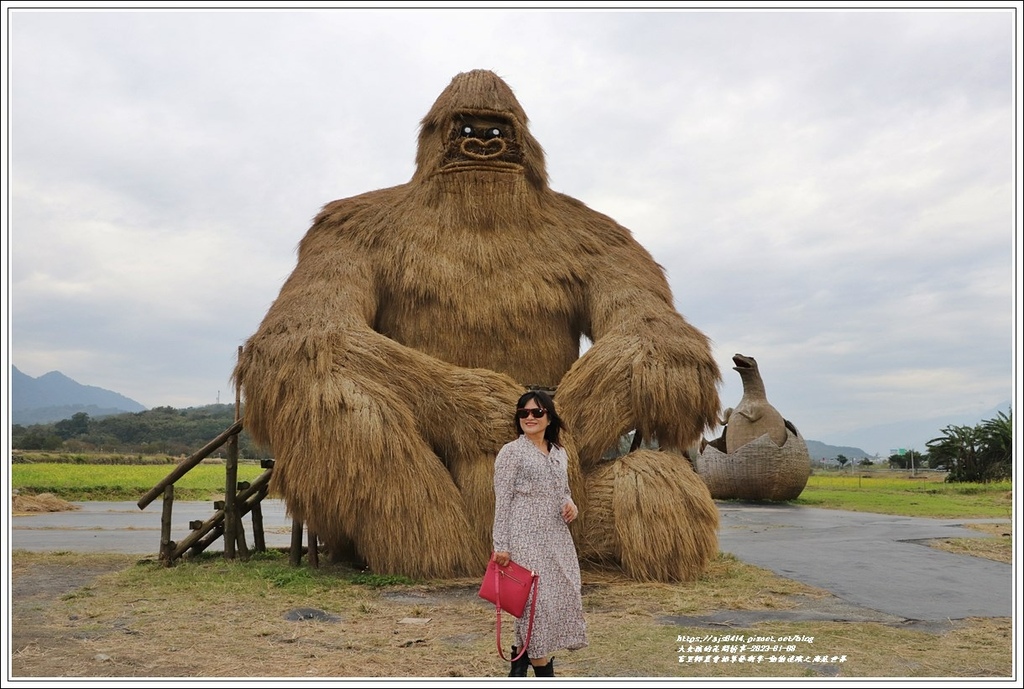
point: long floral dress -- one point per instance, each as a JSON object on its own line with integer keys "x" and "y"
{"x": 530, "y": 489}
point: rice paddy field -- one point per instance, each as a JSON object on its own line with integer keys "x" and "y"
{"x": 114, "y": 482}
{"x": 923, "y": 495}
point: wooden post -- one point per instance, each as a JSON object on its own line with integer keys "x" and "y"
{"x": 244, "y": 486}
{"x": 238, "y": 391}
{"x": 295, "y": 552}
{"x": 232, "y": 523}
{"x": 247, "y": 499}
{"x": 314, "y": 551}
{"x": 217, "y": 520}
{"x": 259, "y": 542}
{"x": 230, "y": 511}
{"x": 166, "y": 544}
{"x": 205, "y": 542}
{"x": 243, "y": 549}
{"x": 258, "y": 534}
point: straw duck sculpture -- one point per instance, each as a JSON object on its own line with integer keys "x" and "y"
{"x": 754, "y": 416}
{"x": 760, "y": 455}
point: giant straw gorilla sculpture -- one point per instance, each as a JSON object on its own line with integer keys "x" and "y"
{"x": 384, "y": 375}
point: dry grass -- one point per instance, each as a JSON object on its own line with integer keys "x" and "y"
{"x": 998, "y": 548}
{"x": 44, "y": 502}
{"x": 112, "y": 616}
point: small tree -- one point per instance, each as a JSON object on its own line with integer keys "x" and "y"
{"x": 77, "y": 425}
{"x": 910, "y": 459}
{"x": 996, "y": 439}
{"x": 959, "y": 448}
{"x": 976, "y": 454}
{"x": 36, "y": 439}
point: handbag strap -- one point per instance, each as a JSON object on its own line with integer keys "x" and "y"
{"x": 497, "y": 613}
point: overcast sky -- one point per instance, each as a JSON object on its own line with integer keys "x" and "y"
{"x": 830, "y": 192}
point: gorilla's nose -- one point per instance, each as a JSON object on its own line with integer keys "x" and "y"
{"x": 483, "y": 150}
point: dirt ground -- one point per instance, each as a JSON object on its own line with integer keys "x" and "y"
{"x": 75, "y": 615}
{"x": 89, "y": 616}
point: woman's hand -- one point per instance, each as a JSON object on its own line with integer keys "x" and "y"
{"x": 569, "y": 511}
{"x": 502, "y": 558}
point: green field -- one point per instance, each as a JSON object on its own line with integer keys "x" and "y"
{"x": 925, "y": 496}
{"x": 81, "y": 482}
{"x": 909, "y": 497}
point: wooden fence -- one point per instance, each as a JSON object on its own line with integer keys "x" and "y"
{"x": 240, "y": 499}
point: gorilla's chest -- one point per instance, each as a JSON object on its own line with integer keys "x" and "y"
{"x": 476, "y": 290}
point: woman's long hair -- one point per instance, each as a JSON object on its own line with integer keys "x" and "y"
{"x": 544, "y": 401}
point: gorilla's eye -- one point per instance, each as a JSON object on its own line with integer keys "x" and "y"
{"x": 468, "y": 130}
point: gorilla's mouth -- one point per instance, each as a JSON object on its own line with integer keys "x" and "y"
{"x": 471, "y": 165}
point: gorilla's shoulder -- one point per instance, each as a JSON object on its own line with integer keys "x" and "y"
{"x": 593, "y": 225}
{"x": 358, "y": 209}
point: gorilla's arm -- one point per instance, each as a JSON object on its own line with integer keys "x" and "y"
{"x": 648, "y": 368}
{"x": 319, "y": 328}
{"x": 362, "y": 426}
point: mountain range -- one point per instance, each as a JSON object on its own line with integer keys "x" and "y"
{"x": 53, "y": 397}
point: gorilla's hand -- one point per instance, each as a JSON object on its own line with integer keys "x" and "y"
{"x": 471, "y": 414}
{"x": 662, "y": 382}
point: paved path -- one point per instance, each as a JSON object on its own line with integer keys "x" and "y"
{"x": 873, "y": 561}
{"x": 121, "y": 527}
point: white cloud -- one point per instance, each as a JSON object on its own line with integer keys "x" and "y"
{"x": 830, "y": 192}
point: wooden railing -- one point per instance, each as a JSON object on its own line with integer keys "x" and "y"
{"x": 240, "y": 499}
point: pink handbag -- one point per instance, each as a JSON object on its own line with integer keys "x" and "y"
{"x": 508, "y": 588}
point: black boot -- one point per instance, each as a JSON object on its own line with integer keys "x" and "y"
{"x": 545, "y": 670}
{"x": 519, "y": 667}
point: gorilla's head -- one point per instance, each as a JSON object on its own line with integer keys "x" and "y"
{"x": 477, "y": 125}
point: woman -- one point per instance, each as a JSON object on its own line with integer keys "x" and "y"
{"x": 532, "y": 512}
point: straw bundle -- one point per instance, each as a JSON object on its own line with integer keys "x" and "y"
{"x": 760, "y": 470}
{"x": 653, "y": 515}
{"x": 44, "y": 502}
{"x": 384, "y": 375}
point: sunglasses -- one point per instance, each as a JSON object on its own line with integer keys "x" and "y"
{"x": 535, "y": 412}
